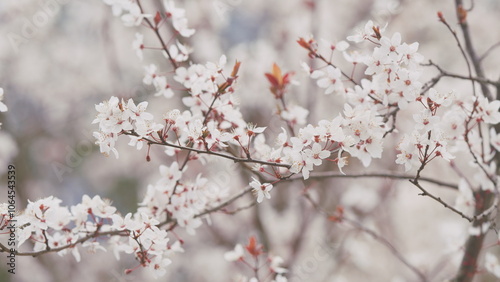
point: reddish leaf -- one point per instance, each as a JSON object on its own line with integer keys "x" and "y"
{"x": 302, "y": 42}
{"x": 253, "y": 248}
{"x": 274, "y": 82}
{"x": 462, "y": 14}
{"x": 157, "y": 18}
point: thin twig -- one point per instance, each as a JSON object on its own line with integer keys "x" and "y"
{"x": 438, "y": 199}
{"x": 237, "y": 210}
{"x": 474, "y": 244}
{"x": 470, "y": 48}
{"x": 331, "y": 174}
{"x": 72, "y": 245}
{"x": 388, "y": 245}
{"x": 233, "y": 158}
{"x": 373, "y": 234}
{"x": 225, "y": 203}
{"x": 444, "y": 73}
{"x": 462, "y": 50}
{"x": 488, "y": 51}
{"x": 157, "y": 33}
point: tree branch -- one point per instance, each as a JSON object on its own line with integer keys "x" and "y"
{"x": 233, "y": 158}
{"x": 330, "y": 174}
{"x": 61, "y": 248}
{"x": 374, "y": 235}
{"x": 474, "y": 244}
{"x": 454, "y": 33}
{"x": 476, "y": 62}
{"x": 438, "y": 199}
{"x": 443, "y": 73}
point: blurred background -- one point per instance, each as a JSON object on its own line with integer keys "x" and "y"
{"x": 60, "y": 58}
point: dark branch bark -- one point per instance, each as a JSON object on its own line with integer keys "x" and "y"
{"x": 475, "y": 60}
{"x": 468, "y": 266}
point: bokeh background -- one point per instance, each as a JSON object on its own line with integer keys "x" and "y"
{"x": 60, "y": 58}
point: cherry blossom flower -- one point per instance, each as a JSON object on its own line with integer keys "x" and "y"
{"x": 178, "y": 52}
{"x": 492, "y": 264}
{"x": 407, "y": 84}
{"x": 444, "y": 99}
{"x": 331, "y": 79}
{"x": 133, "y": 15}
{"x": 236, "y": 254}
{"x": 276, "y": 261}
{"x": 312, "y": 157}
{"x": 217, "y": 67}
{"x": 425, "y": 120}
{"x": 151, "y": 73}
{"x": 280, "y": 278}
{"x": 354, "y": 56}
{"x": 408, "y": 155}
{"x": 179, "y": 20}
{"x": 106, "y": 143}
{"x": 118, "y": 6}
{"x": 138, "y": 112}
{"x": 158, "y": 266}
{"x": 295, "y": 114}
{"x": 465, "y": 200}
{"x": 216, "y": 137}
{"x": 138, "y": 45}
{"x": 3, "y": 107}
{"x": 170, "y": 174}
{"x": 409, "y": 54}
{"x": 341, "y": 161}
{"x": 367, "y": 33}
{"x": 488, "y": 111}
{"x": 390, "y": 46}
{"x": 261, "y": 190}
{"x": 495, "y": 139}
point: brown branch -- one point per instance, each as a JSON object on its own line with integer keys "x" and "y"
{"x": 443, "y": 73}
{"x": 462, "y": 50}
{"x": 157, "y": 33}
{"x": 415, "y": 181}
{"x": 237, "y": 210}
{"x": 319, "y": 56}
{"x": 462, "y": 21}
{"x": 374, "y": 235}
{"x": 330, "y": 174}
{"x": 488, "y": 51}
{"x": 227, "y": 202}
{"x": 3, "y": 248}
{"x": 388, "y": 245}
{"x": 61, "y": 248}
{"x": 233, "y": 158}
{"x": 473, "y": 246}
{"x": 438, "y": 199}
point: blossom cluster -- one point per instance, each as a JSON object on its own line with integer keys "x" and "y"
{"x": 393, "y": 69}
{"x": 214, "y": 123}
{"x": 250, "y": 255}
{"x": 175, "y": 199}
{"x": 211, "y": 123}
{"x": 115, "y": 116}
{"x": 53, "y": 227}
{"x": 171, "y": 201}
